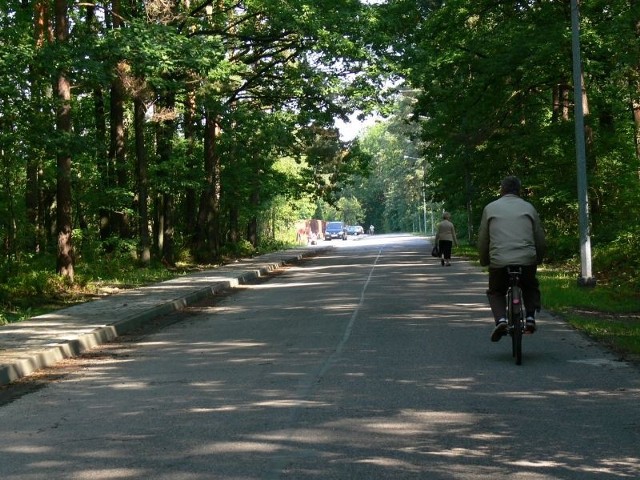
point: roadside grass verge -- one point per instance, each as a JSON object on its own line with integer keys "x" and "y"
{"x": 609, "y": 313}
{"x": 30, "y": 287}
{"x": 35, "y": 289}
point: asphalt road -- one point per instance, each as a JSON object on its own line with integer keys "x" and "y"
{"x": 369, "y": 362}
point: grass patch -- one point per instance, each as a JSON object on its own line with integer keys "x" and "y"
{"x": 609, "y": 314}
{"x": 562, "y": 294}
{"x": 621, "y": 334}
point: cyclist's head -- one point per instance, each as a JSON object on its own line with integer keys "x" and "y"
{"x": 446, "y": 216}
{"x": 510, "y": 185}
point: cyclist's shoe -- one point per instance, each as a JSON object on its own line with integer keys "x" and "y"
{"x": 500, "y": 331}
{"x": 530, "y": 325}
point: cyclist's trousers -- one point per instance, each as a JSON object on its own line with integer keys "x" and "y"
{"x": 499, "y": 284}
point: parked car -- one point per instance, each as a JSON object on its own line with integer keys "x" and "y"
{"x": 335, "y": 230}
{"x": 355, "y": 230}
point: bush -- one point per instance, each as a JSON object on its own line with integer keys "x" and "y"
{"x": 618, "y": 262}
{"x": 272, "y": 245}
{"x": 242, "y": 248}
{"x": 559, "y": 249}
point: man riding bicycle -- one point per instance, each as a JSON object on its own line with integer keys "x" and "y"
{"x": 511, "y": 234}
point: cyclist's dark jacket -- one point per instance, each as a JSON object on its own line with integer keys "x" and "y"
{"x": 510, "y": 233}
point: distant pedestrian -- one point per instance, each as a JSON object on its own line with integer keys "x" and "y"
{"x": 446, "y": 239}
{"x": 371, "y": 229}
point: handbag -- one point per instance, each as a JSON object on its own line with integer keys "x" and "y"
{"x": 435, "y": 252}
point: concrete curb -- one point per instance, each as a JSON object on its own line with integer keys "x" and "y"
{"x": 22, "y": 362}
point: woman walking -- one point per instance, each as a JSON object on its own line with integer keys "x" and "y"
{"x": 446, "y": 238}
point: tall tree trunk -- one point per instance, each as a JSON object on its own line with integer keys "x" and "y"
{"x": 101, "y": 136}
{"x": 561, "y": 102}
{"x": 635, "y": 83}
{"x": 234, "y": 223}
{"x": 10, "y": 220}
{"x": 252, "y": 224}
{"x": 213, "y": 230}
{"x": 158, "y": 224}
{"x": 144, "y": 253}
{"x": 635, "y": 110}
{"x": 114, "y": 220}
{"x": 117, "y": 153}
{"x": 65, "y": 260}
{"x": 166, "y": 130}
{"x": 468, "y": 184}
{"x": 190, "y": 135}
{"x": 34, "y": 197}
{"x": 233, "y": 200}
{"x": 207, "y": 231}
{"x": 168, "y": 252}
{"x": 102, "y": 150}
{"x": 254, "y": 202}
{"x": 102, "y": 161}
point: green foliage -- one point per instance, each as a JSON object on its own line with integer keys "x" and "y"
{"x": 271, "y": 245}
{"x": 243, "y": 248}
{"x": 491, "y": 95}
{"x": 618, "y": 262}
{"x": 351, "y": 212}
{"x": 272, "y": 75}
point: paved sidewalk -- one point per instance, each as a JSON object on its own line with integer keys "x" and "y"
{"x": 44, "y": 340}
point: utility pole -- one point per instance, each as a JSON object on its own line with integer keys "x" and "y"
{"x": 585, "y": 278}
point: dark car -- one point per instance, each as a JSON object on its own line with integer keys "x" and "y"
{"x": 354, "y": 230}
{"x": 335, "y": 230}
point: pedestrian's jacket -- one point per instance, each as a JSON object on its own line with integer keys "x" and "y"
{"x": 510, "y": 233}
{"x": 446, "y": 231}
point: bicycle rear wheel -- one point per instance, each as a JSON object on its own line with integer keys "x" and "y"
{"x": 516, "y": 311}
{"x": 510, "y": 320}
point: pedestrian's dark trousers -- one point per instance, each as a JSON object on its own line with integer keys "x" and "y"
{"x": 445, "y": 248}
{"x": 499, "y": 284}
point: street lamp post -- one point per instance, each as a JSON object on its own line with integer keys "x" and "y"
{"x": 586, "y": 278}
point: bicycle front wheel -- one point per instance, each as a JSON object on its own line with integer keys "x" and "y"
{"x": 511, "y": 315}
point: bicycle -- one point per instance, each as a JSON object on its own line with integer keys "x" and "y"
{"x": 515, "y": 313}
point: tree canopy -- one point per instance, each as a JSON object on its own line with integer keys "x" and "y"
{"x": 490, "y": 86}
{"x": 165, "y": 128}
